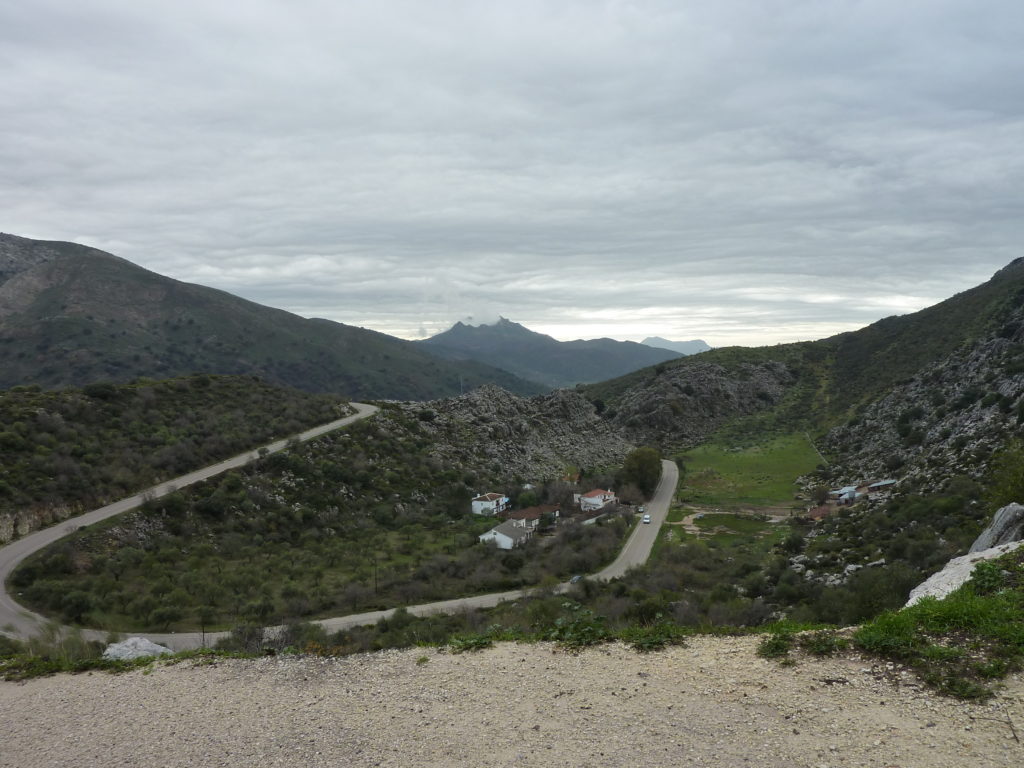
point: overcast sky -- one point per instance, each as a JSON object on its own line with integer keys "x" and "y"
{"x": 746, "y": 172}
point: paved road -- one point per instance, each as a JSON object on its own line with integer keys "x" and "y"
{"x": 638, "y": 548}
{"x": 15, "y": 619}
{"x": 634, "y": 553}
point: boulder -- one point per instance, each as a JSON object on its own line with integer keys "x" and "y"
{"x": 134, "y": 648}
{"x": 957, "y": 572}
{"x": 1007, "y": 525}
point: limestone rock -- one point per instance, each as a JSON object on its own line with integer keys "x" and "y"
{"x": 1007, "y": 526}
{"x": 957, "y": 572}
{"x": 134, "y": 648}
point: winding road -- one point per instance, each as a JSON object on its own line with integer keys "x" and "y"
{"x": 18, "y": 621}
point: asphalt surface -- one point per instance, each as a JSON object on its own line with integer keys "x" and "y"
{"x": 19, "y": 621}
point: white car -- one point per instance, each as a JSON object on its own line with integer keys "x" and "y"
{"x": 647, "y": 518}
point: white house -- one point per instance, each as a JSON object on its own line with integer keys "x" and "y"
{"x": 595, "y": 499}
{"x": 490, "y": 504}
{"x": 511, "y": 533}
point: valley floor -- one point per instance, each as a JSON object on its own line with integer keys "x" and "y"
{"x": 712, "y": 703}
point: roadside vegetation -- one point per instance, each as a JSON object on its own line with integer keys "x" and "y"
{"x": 67, "y": 451}
{"x": 359, "y": 520}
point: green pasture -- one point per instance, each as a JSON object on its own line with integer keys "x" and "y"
{"x": 762, "y": 475}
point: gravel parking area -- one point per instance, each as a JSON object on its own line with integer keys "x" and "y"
{"x": 712, "y": 703}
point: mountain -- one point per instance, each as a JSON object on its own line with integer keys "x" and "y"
{"x": 537, "y": 357}
{"x": 72, "y": 315}
{"x": 819, "y": 385}
{"x": 682, "y": 347}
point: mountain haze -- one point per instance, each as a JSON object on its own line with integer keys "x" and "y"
{"x": 537, "y": 357}
{"x": 71, "y": 315}
{"x": 693, "y": 347}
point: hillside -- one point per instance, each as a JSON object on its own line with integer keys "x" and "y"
{"x": 537, "y": 357}
{"x": 372, "y": 516}
{"x": 809, "y": 385}
{"x": 67, "y": 451}
{"x": 71, "y": 315}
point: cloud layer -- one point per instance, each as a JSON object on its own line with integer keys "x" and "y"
{"x": 741, "y": 171}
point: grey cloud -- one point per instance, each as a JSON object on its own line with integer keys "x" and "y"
{"x": 746, "y": 172}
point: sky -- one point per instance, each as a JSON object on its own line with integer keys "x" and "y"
{"x": 743, "y": 171}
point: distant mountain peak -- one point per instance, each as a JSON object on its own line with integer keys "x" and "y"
{"x": 538, "y": 357}
{"x": 692, "y": 347}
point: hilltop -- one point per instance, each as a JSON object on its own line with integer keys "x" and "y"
{"x": 72, "y": 315}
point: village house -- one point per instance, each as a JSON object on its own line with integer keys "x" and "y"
{"x": 532, "y": 516}
{"x": 490, "y": 504}
{"x": 507, "y": 535}
{"x": 594, "y": 500}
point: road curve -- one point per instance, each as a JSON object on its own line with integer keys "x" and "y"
{"x": 12, "y": 616}
{"x": 635, "y": 552}
{"x": 16, "y": 620}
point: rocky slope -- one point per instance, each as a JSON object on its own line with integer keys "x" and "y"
{"x": 685, "y": 404}
{"x": 536, "y": 438}
{"x": 945, "y": 421}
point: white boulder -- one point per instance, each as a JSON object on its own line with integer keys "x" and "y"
{"x": 134, "y": 648}
{"x": 957, "y": 572}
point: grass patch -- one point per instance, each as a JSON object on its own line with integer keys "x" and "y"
{"x": 760, "y": 475}
{"x": 776, "y": 645}
{"x": 748, "y": 526}
{"x": 676, "y": 514}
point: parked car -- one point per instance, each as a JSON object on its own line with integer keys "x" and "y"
{"x": 643, "y": 508}
{"x": 576, "y": 579}
{"x": 647, "y": 518}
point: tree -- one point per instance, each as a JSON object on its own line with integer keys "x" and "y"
{"x": 642, "y": 467}
{"x": 1006, "y": 481}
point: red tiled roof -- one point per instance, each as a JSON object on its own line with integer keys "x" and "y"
{"x": 595, "y": 493}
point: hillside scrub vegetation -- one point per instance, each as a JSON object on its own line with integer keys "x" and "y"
{"x": 67, "y": 451}
{"x": 357, "y": 520}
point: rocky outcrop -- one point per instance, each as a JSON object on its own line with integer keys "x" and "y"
{"x": 945, "y": 421}
{"x": 1007, "y": 526}
{"x": 957, "y": 572}
{"x": 1004, "y": 534}
{"x": 687, "y": 403}
{"x": 530, "y": 438}
{"x": 134, "y": 648}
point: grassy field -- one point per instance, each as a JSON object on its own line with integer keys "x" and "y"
{"x": 733, "y": 523}
{"x": 762, "y": 475}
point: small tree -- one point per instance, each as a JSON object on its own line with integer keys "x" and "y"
{"x": 642, "y": 467}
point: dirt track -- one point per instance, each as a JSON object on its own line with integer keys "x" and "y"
{"x": 714, "y": 703}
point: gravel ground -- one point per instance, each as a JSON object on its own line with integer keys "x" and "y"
{"x": 713, "y": 703}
